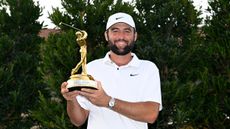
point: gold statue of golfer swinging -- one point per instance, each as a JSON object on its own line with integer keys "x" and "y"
{"x": 83, "y": 80}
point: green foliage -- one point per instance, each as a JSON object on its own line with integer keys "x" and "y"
{"x": 59, "y": 51}
{"x": 19, "y": 59}
{"x": 217, "y": 44}
{"x": 59, "y": 55}
{"x": 54, "y": 116}
{"x": 193, "y": 62}
{"x": 217, "y": 37}
{"x": 173, "y": 42}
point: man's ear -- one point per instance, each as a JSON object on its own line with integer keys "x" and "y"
{"x": 135, "y": 38}
{"x": 106, "y": 36}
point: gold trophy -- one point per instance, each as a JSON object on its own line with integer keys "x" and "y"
{"x": 83, "y": 80}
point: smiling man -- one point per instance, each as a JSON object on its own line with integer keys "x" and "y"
{"x": 129, "y": 92}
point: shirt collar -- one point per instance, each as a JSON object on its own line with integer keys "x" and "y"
{"x": 135, "y": 62}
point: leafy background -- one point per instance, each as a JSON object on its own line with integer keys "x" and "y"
{"x": 193, "y": 60}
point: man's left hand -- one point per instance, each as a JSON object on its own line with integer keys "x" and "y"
{"x": 97, "y": 97}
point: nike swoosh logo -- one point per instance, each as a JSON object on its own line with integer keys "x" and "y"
{"x": 118, "y": 18}
{"x": 133, "y": 74}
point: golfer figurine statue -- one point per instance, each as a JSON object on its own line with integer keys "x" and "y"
{"x": 83, "y": 80}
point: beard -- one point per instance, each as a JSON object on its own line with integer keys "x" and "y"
{"x": 127, "y": 49}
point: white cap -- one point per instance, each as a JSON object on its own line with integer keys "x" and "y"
{"x": 120, "y": 17}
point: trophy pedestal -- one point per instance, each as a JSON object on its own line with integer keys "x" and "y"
{"x": 79, "y": 81}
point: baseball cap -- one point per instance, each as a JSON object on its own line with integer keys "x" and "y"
{"x": 120, "y": 17}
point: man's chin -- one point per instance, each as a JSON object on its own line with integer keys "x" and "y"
{"x": 121, "y": 53}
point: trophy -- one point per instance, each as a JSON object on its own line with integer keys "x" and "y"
{"x": 83, "y": 80}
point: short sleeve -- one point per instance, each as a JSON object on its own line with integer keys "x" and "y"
{"x": 153, "y": 86}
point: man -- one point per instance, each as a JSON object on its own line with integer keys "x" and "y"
{"x": 129, "y": 93}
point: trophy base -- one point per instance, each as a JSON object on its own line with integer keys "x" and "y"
{"x": 77, "y": 82}
{"x": 80, "y": 87}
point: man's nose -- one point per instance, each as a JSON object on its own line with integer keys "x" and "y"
{"x": 121, "y": 35}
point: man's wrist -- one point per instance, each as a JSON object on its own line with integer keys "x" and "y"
{"x": 112, "y": 103}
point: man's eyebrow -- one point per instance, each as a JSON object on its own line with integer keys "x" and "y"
{"x": 128, "y": 28}
{"x": 114, "y": 28}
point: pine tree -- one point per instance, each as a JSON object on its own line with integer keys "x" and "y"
{"x": 217, "y": 45}
{"x": 19, "y": 58}
{"x": 170, "y": 38}
{"x": 59, "y": 55}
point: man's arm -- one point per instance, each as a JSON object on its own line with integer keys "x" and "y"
{"x": 140, "y": 111}
{"x": 76, "y": 113}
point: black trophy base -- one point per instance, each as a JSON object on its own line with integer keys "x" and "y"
{"x": 80, "y": 87}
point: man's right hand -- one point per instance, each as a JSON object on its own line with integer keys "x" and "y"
{"x": 76, "y": 113}
{"x": 69, "y": 96}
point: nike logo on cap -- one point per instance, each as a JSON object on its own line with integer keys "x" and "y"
{"x": 118, "y": 18}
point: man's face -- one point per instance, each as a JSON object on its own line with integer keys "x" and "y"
{"x": 121, "y": 38}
